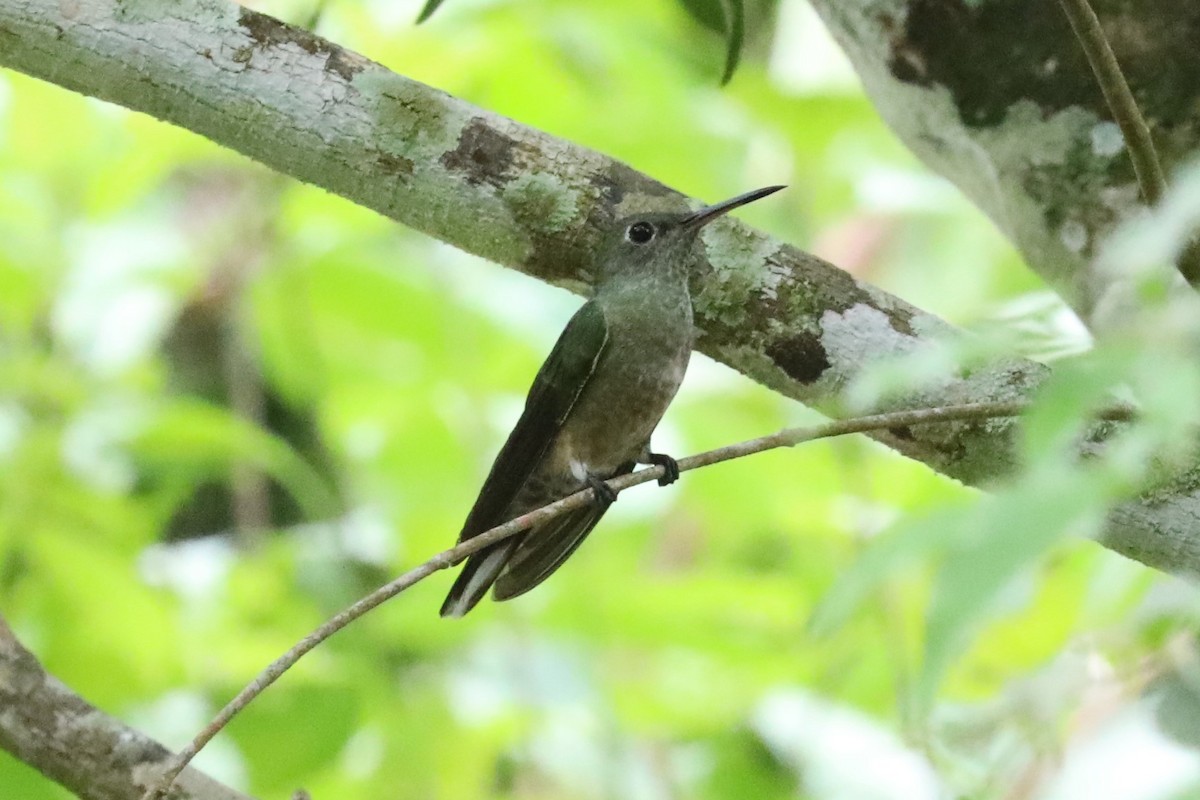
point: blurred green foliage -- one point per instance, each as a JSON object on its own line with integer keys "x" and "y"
{"x": 962, "y": 644}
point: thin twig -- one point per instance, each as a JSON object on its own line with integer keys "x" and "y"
{"x": 1120, "y": 99}
{"x": 1128, "y": 117}
{"x": 448, "y": 558}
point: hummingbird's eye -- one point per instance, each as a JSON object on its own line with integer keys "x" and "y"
{"x": 640, "y": 232}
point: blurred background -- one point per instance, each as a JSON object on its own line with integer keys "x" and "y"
{"x": 230, "y": 404}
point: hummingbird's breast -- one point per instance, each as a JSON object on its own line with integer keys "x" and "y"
{"x": 641, "y": 369}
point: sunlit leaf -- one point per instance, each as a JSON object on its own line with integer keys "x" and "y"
{"x": 76, "y": 574}
{"x": 807, "y": 733}
{"x": 427, "y": 12}
{"x": 709, "y": 13}
{"x": 726, "y": 17}
{"x": 912, "y": 541}
{"x": 1008, "y": 532}
{"x": 735, "y": 34}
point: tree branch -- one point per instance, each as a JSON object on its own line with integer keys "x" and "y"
{"x": 1000, "y": 99}
{"x": 60, "y": 734}
{"x": 522, "y": 198}
{"x": 1129, "y": 118}
{"x": 447, "y": 558}
{"x": 484, "y": 183}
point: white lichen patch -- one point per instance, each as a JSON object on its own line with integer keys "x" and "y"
{"x": 774, "y": 274}
{"x": 1074, "y": 235}
{"x": 927, "y": 326}
{"x": 921, "y": 324}
{"x": 1107, "y": 140}
{"x": 999, "y": 166}
{"x": 417, "y": 122}
{"x": 738, "y": 255}
{"x": 856, "y": 337}
{"x": 542, "y": 202}
{"x": 1028, "y": 136}
{"x": 416, "y": 128}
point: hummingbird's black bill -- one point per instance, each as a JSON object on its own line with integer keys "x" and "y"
{"x": 709, "y": 213}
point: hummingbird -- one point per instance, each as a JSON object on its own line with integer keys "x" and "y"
{"x": 593, "y": 404}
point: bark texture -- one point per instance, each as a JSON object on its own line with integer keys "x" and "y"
{"x": 522, "y": 198}
{"x": 997, "y": 95}
{"x": 57, "y": 732}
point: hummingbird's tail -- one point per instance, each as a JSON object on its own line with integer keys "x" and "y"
{"x": 517, "y": 565}
{"x": 477, "y": 577}
{"x": 544, "y": 549}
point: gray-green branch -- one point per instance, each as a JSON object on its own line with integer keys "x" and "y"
{"x": 57, "y": 732}
{"x": 519, "y": 197}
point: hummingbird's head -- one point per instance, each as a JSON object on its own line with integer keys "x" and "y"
{"x": 651, "y": 242}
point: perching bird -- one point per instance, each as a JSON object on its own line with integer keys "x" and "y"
{"x": 593, "y": 404}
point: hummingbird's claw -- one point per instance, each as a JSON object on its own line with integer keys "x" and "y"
{"x": 670, "y": 468}
{"x": 605, "y": 495}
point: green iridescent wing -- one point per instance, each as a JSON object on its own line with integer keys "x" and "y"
{"x": 544, "y": 548}
{"x": 555, "y": 390}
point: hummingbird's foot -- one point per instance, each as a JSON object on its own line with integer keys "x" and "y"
{"x": 605, "y": 495}
{"x": 670, "y": 468}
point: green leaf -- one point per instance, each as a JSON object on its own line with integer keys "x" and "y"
{"x": 1077, "y": 387}
{"x": 743, "y": 766}
{"x": 1156, "y": 238}
{"x": 736, "y": 34}
{"x": 709, "y": 13}
{"x": 427, "y": 12}
{"x": 913, "y": 540}
{"x": 76, "y": 571}
{"x": 726, "y": 17}
{"x": 1008, "y": 532}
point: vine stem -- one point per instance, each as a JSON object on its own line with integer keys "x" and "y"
{"x": 1128, "y": 117}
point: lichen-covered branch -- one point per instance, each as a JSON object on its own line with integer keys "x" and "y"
{"x": 1136, "y": 133}
{"x": 60, "y": 734}
{"x": 522, "y": 198}
{"x": 999, "y": 97}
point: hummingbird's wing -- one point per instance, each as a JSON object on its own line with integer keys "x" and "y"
{"x": 545, "y": 547}
{"x": 555, "y": 389}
